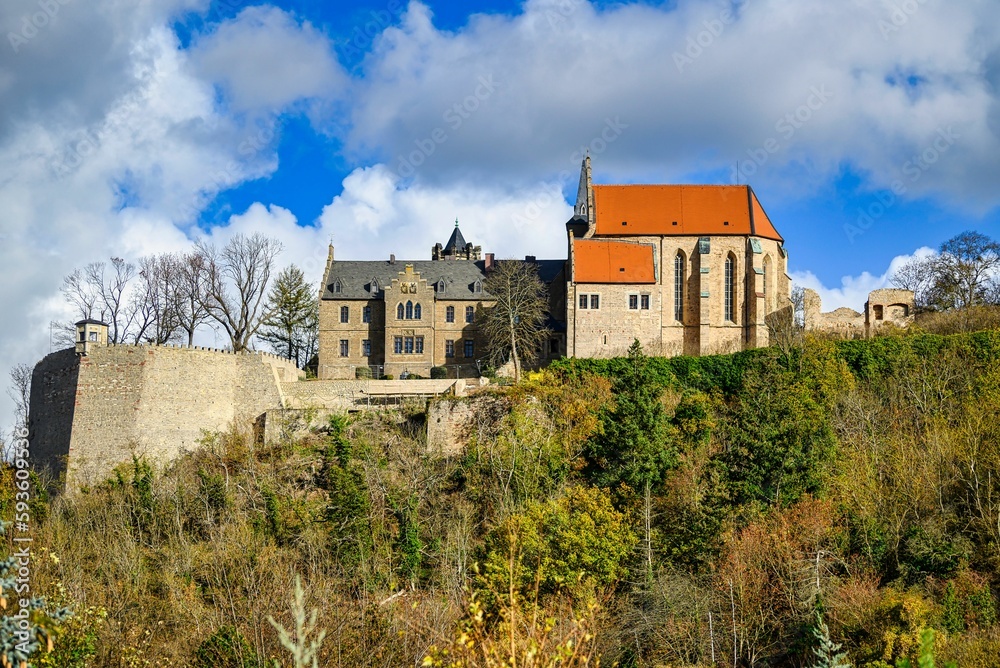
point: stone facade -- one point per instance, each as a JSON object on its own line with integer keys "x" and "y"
{"x": 91, "y": 412}
{"x": 884, "y": 307}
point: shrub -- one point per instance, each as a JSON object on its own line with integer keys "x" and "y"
{"x": 439, "y": 372}
{"x": 226, "y": 648}
{"x": 363, "y": 373}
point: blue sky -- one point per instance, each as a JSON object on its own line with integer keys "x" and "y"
{"x": 869, "y": 129}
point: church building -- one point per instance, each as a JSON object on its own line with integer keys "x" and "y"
{"x": 685, "y": 269}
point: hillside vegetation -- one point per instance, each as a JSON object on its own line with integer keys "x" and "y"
{"x": 758, "y": 509}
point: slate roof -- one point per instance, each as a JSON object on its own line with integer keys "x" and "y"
{"x": 456, "y": 242}
{"x": 459, "y": 276}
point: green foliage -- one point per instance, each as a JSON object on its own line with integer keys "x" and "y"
{"x": 226, "y": 648}
{"x": 575, "y": 544}
{"x": 828, "y": 654}
{"x": 363, "y": 373}
{"x": 292, "y": 321}
{"x": 925, "y": 658}
{"x": 635, "y": 446}
{"x": 439, "y": 372}
{"x": 213, "y": 490}
{"x": 408, "y": 543}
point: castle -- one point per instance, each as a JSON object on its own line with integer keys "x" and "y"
{"x": 684, "y": 269}
{"x": 688, "y": 270}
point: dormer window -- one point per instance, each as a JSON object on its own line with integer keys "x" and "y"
{"x": 374, "y": 286}
{"x": 477, "y": 287}
{"x": 337, "y": 287}
{"x": 440, "y": 286}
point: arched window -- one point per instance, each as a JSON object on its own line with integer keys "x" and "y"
{"x": 416, "y": 311}
{"x": 374, "y": 286}
{"x": 399, "y": 312}
{"x": 409, "y": 310}
{"x": 338, "y": 287}
{"x": 679, "y": 287}
{"x": 767, "y": 281}
{"x": 477, "y": 287}
{"x": 730, "y": 288}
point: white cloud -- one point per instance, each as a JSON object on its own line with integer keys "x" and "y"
{"x": 698, "y": 89}
{"x": 265, "y": 59}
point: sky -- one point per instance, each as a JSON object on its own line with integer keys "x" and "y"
{"x": 869, "y": 129}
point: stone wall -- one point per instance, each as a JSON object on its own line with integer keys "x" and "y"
{"x": 884, "y": 307}
{"x": 90, "y": 413}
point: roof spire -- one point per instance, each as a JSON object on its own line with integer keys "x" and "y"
{"x": 456, "y": 222}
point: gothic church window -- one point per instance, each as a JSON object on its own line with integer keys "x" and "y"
{"x": 679, "y": 271}
{"x": 399, "y": 312}
{"x": 729, "y": 289}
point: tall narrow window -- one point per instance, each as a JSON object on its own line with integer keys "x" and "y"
{"x": 730, "y": 288}
{"x": 595, "y": 301}
{"x": 679, "y": 287}
{"x": 767, "y": 278}
{"x": 408, "y": 345}
{"x": 584, "y": 301}
{"x": 633, "y": 302}
{"x": 366, "y": 314}
{"x": 345, "y": 314}
{"x": 470, "y": 313}
{"x": 399, "y": 312}
{"x": 449, "y": 348}
{"x": 416, "y": 311}
{"x": 366, "y": 347}
{"x": 420, "y": 345}
{"x": 449, "y": 314}
{"x": 409, "y": 310}
{"x": 470, "y": 348}
{"x": 344, "y": 348}
{"x": 397, "y": 345}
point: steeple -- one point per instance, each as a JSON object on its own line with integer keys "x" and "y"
{"x": 456, "y": 243}
{"x": 583, "y": 198}
{"x": 457, "y": 248}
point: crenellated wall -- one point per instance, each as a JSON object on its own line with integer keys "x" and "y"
{"x": 90, "y": 413}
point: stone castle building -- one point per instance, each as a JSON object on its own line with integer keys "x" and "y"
{"x": 685, "y": 269}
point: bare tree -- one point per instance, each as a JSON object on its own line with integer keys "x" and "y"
{"x": 80, "y": 293}
{"x": 157, "y": 301}
{"x": 237, "y": 277}
{"x": 918, "y": 276}
{"x": 20, "y": 392}
{"x": 514, "y": 327}
{"x": 191, "y": 310}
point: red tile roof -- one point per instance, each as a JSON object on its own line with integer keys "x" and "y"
{"x": 680, "y": 210}
{"x": 599, "y": 261}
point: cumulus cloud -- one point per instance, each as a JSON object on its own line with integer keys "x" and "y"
{"x": 695, "y": 87}
{"x": 265, "y": 59}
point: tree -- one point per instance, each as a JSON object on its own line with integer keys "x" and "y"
{"x": 191, "y": 311}
{"x": 158, "y": 298}
{"x": 964, "y": 273}
{"x": 514, "y": 327}
{"x": 236, "y": 281}
{"x": 291, "y": 326}
{"x": 20, "y": 392}
{"x": 107, "y": 293}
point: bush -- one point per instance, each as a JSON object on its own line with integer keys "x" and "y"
{"x": 439, "y": 372}
{"x": 363, "y": 373}
{"x": 387, "y": 376}
{"x": 226, "y": 648}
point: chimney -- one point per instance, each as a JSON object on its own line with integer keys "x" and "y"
{"x": 529, "y": 258}
{"x": 392, "y": 258}
{"x": 488, "y": 264}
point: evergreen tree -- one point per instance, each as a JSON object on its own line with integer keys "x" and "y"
{"x": 291, "y": 325}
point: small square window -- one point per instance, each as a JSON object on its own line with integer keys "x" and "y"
{"x": 344, "y": 348}
{"x": 595, "y": 301}
{"x": 633, "y": 302}
{"x": 93, "y": 337}
{"x": 644, "y": 302}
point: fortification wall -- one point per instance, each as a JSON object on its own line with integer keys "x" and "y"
{"x": 885, "y": 306}
{"x": 146, "y": 400}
